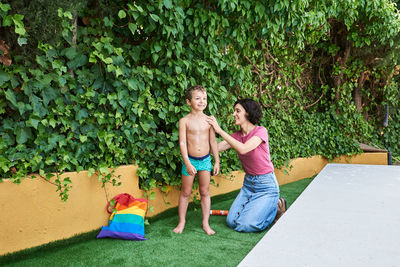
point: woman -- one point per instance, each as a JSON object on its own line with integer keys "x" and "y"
{"x": 258, "y": 202}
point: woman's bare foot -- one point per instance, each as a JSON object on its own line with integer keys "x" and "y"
{"x": 179, "y": 229}
{"x": 208, "y": 230}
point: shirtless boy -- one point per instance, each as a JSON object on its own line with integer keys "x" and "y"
{"x": 196, "y": 137}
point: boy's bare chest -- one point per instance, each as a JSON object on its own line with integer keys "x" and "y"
{"x": 197, "y": 126}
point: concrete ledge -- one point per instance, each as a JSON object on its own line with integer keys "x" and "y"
{"x": 331, "y": 223}
{"x": 33, "y": 214}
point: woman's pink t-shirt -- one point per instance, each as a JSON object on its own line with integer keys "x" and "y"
{"x": 257, "y": 161}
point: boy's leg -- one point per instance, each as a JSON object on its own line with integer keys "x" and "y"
{"x": 186, "y": 191}
{"x": 204, "y": 188}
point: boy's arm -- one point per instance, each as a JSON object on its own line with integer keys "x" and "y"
{"x": 214, "y": 150}
{"x": 191, "y": 170}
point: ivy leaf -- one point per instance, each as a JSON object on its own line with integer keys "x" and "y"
{"x": 132, "y": 84}
{"x": 62, "y": 81}
{"x": 48, "y": 94}
{"x": 22, "y": 41}
{"x": 53, "y": 139}
{"x": 11, "y": 97}
{"x": 123, "y": 98}
{"x": 23, "y": 134}
{"x": 108, "y": 22}
{"x": 145, "y": 126}
{"x": 108, "y": 60}
{"x": 7, "y": 21}
{"x": 82, "y": 114}
{"x": 91, "y": 171}
{"x": 5, "y": 7}
{"x": 157, "y": 47}
{"x": 118, "y": 72}
{"x": 154, "y": 56}
{"x": 70, "y": 53}
{"x": 41, "y": 60}
{"x": 33, "y": 122}
{"x": 4, "y": 77}
{"x": 132, "y": 27}
{"x": 19, "y": 25}
{"x": 83, "y": 138}
{"x": 260, "y": 9}
{"x": 67, "y": 181}
{"x": 168, "y": 4}
{"x": 78, "y": 61}
{"x": 121, "y": 14}
{"x": 4, "y": 164}
{"x": 37, "y": 106}
{"x": 103, "y": 170}
{"x": 155, "y": 17}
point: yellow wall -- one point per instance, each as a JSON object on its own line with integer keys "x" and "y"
{"x": 301, "y": 168}
{"x": 33, "y": 214}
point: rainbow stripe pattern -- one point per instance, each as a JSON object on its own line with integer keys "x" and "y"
{"x": 126, "y": 222}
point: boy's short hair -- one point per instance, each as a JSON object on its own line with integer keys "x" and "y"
{"x": 189, "y": 91}
{"x": 253, "y": 109}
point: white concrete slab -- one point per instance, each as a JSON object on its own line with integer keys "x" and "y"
{"x": 349, "y": 215}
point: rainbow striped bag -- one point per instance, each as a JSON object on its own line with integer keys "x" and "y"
{"x": 126, "y": 221}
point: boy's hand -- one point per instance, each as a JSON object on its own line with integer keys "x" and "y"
{"x": 191, "y": 170}
{"x": 216, "y": 169}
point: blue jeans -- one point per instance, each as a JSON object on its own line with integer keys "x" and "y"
{"x": 255, "y": 206}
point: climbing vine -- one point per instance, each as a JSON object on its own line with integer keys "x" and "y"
{"x": 110, "y": 91}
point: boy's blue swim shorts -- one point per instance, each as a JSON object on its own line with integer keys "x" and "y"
{"x": 200, "y": 163}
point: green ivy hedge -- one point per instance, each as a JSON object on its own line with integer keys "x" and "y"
{"x": 111, "y": 91}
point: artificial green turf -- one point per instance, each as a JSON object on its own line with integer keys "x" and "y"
{"x": 163, "y": 247}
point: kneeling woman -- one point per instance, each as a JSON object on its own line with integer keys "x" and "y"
{"x": 258, "y": 203}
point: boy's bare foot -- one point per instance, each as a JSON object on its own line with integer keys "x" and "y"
{"x": 208, "y": 230}
{"x": 179, "y": 229}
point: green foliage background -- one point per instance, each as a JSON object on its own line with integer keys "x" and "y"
{"x": 108, "y": 88}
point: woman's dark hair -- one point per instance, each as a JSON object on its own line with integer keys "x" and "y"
{"x": 253, "y": 109}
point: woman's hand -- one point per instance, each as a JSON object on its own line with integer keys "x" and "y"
{"x": 213, "y": 122}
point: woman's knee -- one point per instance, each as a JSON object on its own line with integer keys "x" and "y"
{"x": 230, "y": 222}
{"x": 246, "y": 224}
{"x": 239, "y": 227}
{"x": 236, "y": 223}
{"x": 247, "y": 227}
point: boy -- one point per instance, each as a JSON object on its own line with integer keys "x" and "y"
{"x": 196, "y": 137}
